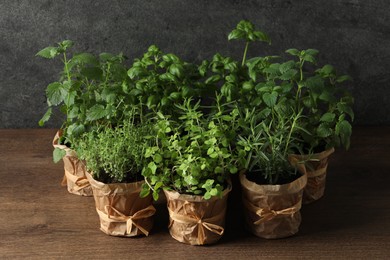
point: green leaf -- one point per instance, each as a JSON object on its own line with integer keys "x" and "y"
{"x": 324, "y": 130}
{"x": 58, "y": 154}
{"x": 218, "y": 169}
{"x": 176, "y": 70}
{"x": 214, "y": 192}
{"x": 345, "y": 108}
{"x": 343, "y": 78}
{"x": 66, "y": 44}
{"x": 155, "y": 196}
{"x": 293, "y": 52}
{"x": 105, "y": 56}
{"x": 236, "y": 34}
{"x": 344, "y": 130}
{"x": 170, "y": 58}
{"x": 151, "y": 102}
{"x": 145, "y": 191}
{"x": 233, "y": 169}
{"x": 135, "y": 71}
{"x": 157, "y": 158}
{"x": 289, "y": 74}
{"x": 213, "y": 79}
{"x": 85, "y": 58}
{"x": 48, "y": 52}
{"x": 270, "y": 98}
{"x": 75, "y": 130}
{"x": 55, "y": 93}
{"x": 153, "y": 167}
{"x": 70, "y": 97}
{"x": 96, "y": 112}
{"x": 286, "y": 66}
{"x": 247, "y": 85}
{"x": 45, "y": 117}
{"x": 326, "y": 70}
{"x": 328, "y": 117}
{"x": 207, "y": 196}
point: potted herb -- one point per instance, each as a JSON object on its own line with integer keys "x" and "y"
{"x": 191, "y": 159}
{"x": 114, "y": 159}
{"x": 89, "y": 93}
{"x": 271, "y": 184}
{"x": 327, "y": 110}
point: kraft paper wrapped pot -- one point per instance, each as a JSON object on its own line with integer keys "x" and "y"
{"x": 272, "y": 211}
{"x": 316, "y": 169}
{"x": 74, "y": 177}
{"x": 121, "y": 211}
{"x": 194, "y": 220}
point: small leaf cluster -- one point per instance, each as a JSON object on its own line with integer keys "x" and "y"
{"x": 193, "y": 154}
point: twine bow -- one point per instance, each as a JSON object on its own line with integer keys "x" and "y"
{"x": 196, "y": 221}
{"x": 267, "y": 214}
{"x": 130, "y": 220}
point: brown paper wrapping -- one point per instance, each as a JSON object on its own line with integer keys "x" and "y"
{"x": 194, "y": 220}
{"x": 74, "y": 177}
{"x": 272, "y": 211}
{"x": 121, "y": 211}
{"x": 316, "y": 168}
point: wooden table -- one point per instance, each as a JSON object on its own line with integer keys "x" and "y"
{"x": 39, "y": 219}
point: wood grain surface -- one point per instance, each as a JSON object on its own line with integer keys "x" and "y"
{"x": 39, "y": 219}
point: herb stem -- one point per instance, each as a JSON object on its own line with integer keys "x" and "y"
{"x": 244, "y": 56}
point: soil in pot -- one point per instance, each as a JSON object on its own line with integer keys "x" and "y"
{"x": 74, "y": 177}
{"x": 272, "y": 211}
{"x": 194, "y": 220}
{"x": 121, "y": 210}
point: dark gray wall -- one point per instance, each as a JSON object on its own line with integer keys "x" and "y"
{"x": 353, "y": 35}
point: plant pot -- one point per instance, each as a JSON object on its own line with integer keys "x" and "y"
{"x": 74, "y": 177}
{"x": 194, "y": 220}
{"x": 272, "y": 211}
{"x": 316, "y": 169}
{"x": 121, "y": 210}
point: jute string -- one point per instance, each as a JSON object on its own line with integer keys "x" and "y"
{"x": 267, "y": 214}
{"x": 194, "y": 220}
{"x": 130, "y": 220}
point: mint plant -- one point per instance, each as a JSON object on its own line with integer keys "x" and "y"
{"x": 192, "y": 155}
{"x": 326, "y": 106}
{"x": 89, "y": 92}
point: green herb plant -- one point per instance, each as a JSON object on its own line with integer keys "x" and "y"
{"x": 264, "y": 143}
{"x": 89, "y": 92}
{"x": 158, "y": 81}
{"x": 192, "y": 155}
{"x": 327, "y": 107}
{"x": 115, "y": 155}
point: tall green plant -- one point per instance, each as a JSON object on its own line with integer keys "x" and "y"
{"x": 326, "y": 105}
{"x": 89, "y": 91}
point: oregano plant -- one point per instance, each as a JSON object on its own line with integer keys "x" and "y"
{"x": 192, "y": 155}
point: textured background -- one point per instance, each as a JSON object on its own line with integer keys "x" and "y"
{"x": 352, "y": 35}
